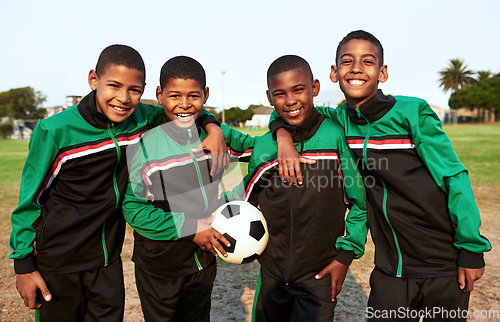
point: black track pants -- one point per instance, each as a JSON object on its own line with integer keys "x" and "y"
{"x": 279, "y": 301}
{"x": 408, "y": 299}
{"x": 94, "y": 295}
{"x": 175, "y": 298}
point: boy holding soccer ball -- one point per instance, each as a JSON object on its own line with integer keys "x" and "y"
{"x": 308, "y": 253}
{"x": 422, "y": 214}
{"x": 170, "y": 199}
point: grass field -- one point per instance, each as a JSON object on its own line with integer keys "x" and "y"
{"x": 478, "y": 147}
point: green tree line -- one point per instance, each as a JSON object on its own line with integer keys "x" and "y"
{"x": 480, "y": 89}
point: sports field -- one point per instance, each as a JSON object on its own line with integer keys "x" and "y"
{"x": 478, "y": 147}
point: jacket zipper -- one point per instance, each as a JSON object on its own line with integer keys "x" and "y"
{"x": 202, "y": 188}
{"x": 290, "y": 252}
{"x": 384, "y": 201}
{"x": 292, "y": 206}
{"x": 115, "y": 187}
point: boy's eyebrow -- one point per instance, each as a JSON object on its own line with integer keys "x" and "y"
{"x": 179, "y": 91}
{"x": 364, "y": 55}
{"x": 119, "y": 83}
{"x": 293, "y": 87}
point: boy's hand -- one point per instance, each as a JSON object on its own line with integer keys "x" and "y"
{"x": 289, "y": 159}
{"x": 467, "y": 277}
{"x": 216, "y": 144}
{"x": 338, "y": 272}
{"x": 27, "y": 284}
{"x": 207, "y": 238}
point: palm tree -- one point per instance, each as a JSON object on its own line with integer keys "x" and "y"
{"x": 484, "y": 74}
{"x": 455, "y": 76}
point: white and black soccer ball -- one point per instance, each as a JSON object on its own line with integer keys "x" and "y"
{"x": 245, "y": 228}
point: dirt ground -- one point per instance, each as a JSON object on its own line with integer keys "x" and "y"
{"x": 234, "y": 288}
{"x": 235, "y": 284}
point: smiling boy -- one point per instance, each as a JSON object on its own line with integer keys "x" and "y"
{"x": 421, "y": 211}
{"x": 170, "y": 199}
{"x": 307, "y": 257}
{"x": 68, "y": 229}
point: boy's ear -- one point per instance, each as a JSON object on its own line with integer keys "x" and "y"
{"x": 93, "y": 79}
{"x": 315, "y": 87}
{"x": 206, "y": 94}
{"x": 269, "y": 98}
{"x": 333, "y": 74}
{"x": 383, "y": 75}
{"x": 159, "y": 95}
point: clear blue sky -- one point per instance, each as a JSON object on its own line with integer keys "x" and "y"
{"x": 52, "y": 45}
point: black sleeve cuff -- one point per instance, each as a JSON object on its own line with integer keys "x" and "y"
{"x": 345, "y": 257}
{"x": 468, "y": 259}
{"x": 25, "y": 265}
{"x": 207, "y": 119}
{"x": 275, "y": 125}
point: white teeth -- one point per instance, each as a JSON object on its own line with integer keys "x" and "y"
{"x": 294, "y": 112}
{"x": 356, "y": 82}
{"x": 119, "y": 108}
{"x": 184, "y": 115}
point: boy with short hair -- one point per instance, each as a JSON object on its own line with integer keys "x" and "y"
{"x": 68, "y": 229}
{"x": 306, "y": 223}
{"x": 170, "y": 200}
{"x": 422, "y": 214}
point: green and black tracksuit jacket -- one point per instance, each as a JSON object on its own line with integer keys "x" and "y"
{"x": 307, "y": 223}
{"x": 421, "y": 211}
{"x": 69, "y": 216}
{"x": 171, "y": 188}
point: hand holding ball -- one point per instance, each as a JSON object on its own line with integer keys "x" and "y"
{"x": 244, "y": 226}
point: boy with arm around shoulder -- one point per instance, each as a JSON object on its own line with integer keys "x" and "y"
{"x": 68, "y": 229}
{"x": 307, "y": 257}
{"x": 422, "y": 214}
{"x": 170, "y": 200}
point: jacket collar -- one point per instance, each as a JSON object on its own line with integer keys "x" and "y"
{"x": 181, "y": 135}
{"x": 307, "y": 129}
{"x": 373, "y": 109}
{"x": 88, "y": 110}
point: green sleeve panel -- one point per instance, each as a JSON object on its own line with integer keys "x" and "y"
{"x": 149, "y": 221}
{"x": 264, "y": 141}
{"x": 36, "y": 167}
{"x": 356, "y": 226}
{"x": 331, "y": 113}
{"x": 273, "y": 117}
{"x": 435, "y": 149}
{"x": 237, "y": 193}
{"x": 238, "y": 141}
{"x": 465, "y": 215}
{"x": 434, "y": 146}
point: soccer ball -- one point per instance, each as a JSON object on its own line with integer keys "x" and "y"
{"x": 245, "y": 228}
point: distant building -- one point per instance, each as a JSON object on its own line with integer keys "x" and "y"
{"x": 72, "y": 100}
{"x": 443, "y": 114}
{"x": 22, "y": 129}
{"x": 53, "y": 110}
{"x": 261, "y": 116}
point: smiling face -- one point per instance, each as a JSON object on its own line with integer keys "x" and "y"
{"x": 118, "y": 91}
{"x": 182, "y": 100}
{"x": 359, "y": 71}
{"x": 291, "y": 93}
